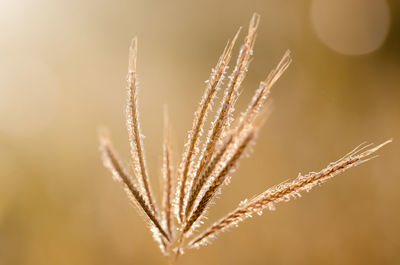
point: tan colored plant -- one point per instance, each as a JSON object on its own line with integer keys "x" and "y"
{"x": 205, "y": 169}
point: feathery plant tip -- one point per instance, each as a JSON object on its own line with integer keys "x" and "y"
{"x": 206, "y": 167}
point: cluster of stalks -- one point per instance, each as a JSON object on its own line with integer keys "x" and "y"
{"x": 206, "y": 167}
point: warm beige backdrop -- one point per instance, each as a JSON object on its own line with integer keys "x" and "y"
{"x": 62, "y": 74}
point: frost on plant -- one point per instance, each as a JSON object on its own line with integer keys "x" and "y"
{"x": 207, "y": 166}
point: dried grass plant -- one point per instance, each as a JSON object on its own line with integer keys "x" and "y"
{"x": 206, "y": 167}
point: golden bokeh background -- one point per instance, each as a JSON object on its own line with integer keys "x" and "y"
{"x": 62, "y": 75}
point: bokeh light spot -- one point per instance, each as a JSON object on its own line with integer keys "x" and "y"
{"x": 351, "y": 27}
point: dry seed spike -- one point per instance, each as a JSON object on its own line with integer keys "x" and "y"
{"x": 229, "y": 162}
{"x": 222, "y": 118}
{"x": 282, "y": 192}
{"x": 133, "y": 126}
{"x": 111, "y": 161}
{"x": 261, "y": 95}
{"x": 167, "y": 173}
{"x": 214, "y": 82}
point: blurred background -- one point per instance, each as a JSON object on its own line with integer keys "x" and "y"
{"x": 62, "y": 75}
